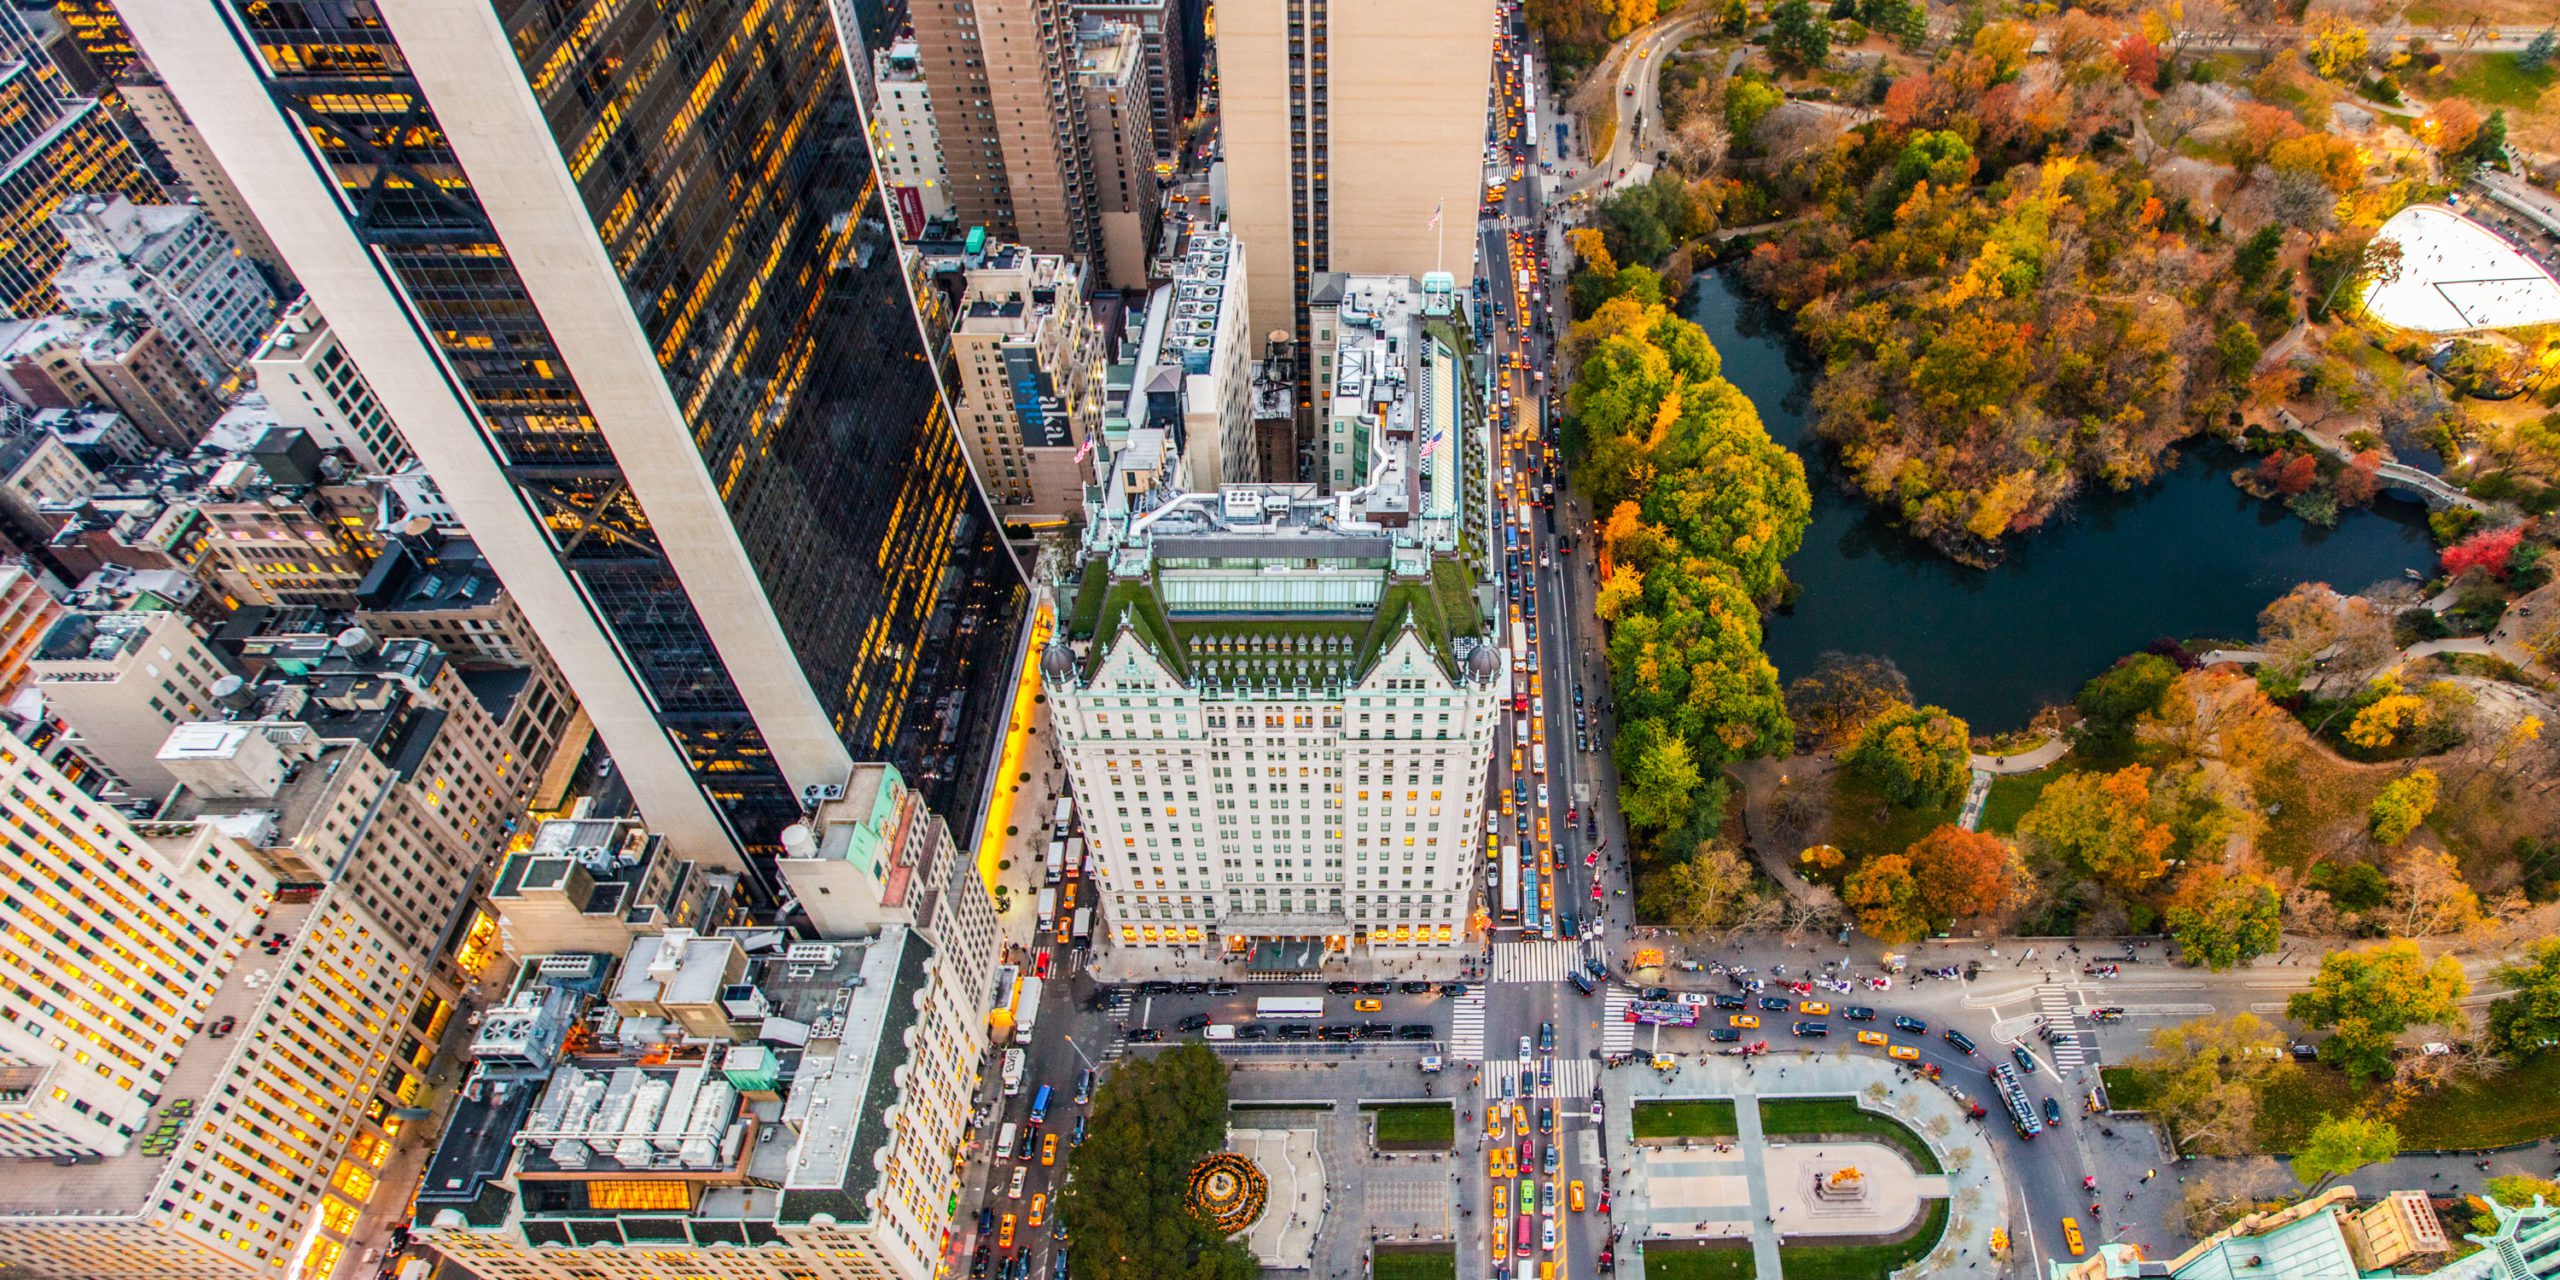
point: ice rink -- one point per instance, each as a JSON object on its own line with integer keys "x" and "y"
{"x": 2457, "y": 275}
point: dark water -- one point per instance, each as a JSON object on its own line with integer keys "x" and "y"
{"x": 2190, "y": 556}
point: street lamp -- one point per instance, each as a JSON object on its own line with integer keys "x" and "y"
{"x": 1088, "y": 1062}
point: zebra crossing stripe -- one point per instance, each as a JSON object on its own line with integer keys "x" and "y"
{"x": 1466, "y": 1027}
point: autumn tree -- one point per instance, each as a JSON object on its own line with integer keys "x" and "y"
{"x": 2104, "y": 824}
{"x": 2429, "y": 897}
{"x": 2489, "y": 551}
{"x": 2450, "y": 126}
{"x": 2340, "y": 1145}
{"x": 1836, "y": 699}
{"x": 2337, "y": 48}
{"x": 2367, "y": 998}
{"x": 1887, "y": 900}
{"x": 2526, "y": 1020}
{"x": 2205, "y": 1079}
{"x": 1712, "y": 888}
{"x": 1957, "y": 873}
{"x": 1658, "y": 776}
{"x": 2223, "y": 920}
{"x": 2314, "y": 625}
{"x": 2111, "y": 702}
{"x": 1919, "y": 757}
{"x": 2401, "y": 805}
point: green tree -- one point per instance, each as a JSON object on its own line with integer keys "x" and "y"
{"x": 2367, "y": 998}
{"x": 1886, "y": 899}
{"x": 2258, "y": 253}
{"x": 2104, "y": 824}
{"x": 2111, "y": 702}
{"x": 1153, "y": 1119}
{"x": 2340, "y": 1145}
{"x": 2537, "y": 55}
{"x": 2491, "y": 142}
{"x": 1746, "y": 101}
{"x": 2237, "y": 350}
{"x": 2517, "y": 1190}
{"x": 2205, "y": 1079}
{"x": 1939, "y": 156}
{"x": 1658, "y": 776}
{"x": 1798, "y": 36}
{"x": 1712, "y": 888}
{"x": 2222, "y": 920}
{"x": 2401, "y": 805}
{"x": 1920, "y": 757}
{"x": 2526, "y": 1020}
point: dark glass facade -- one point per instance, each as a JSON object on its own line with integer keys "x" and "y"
{"x": 52, "y": 145}
{"x": 717, "y": 149}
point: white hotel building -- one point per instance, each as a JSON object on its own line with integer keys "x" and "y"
{"x": 1279, "y": 707}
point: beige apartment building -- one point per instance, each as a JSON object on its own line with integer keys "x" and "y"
{"x": 1028, "y": 393}
{"x": 1111, "y": 78}
{"x": 120, "y": 681}
{"x": 1012, "y": 143}
{"x": 1348, "y": 128}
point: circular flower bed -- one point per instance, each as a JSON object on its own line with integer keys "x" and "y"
{"x": 1228, "y": 1191}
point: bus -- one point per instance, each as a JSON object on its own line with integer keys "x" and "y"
{"x": 1511, "y": 884}
{"x": 1289, "y": 1008}
{"x": 1040, "y": 1106}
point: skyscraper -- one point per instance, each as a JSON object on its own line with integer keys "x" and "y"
{"x": 1355, "y": 138}
{"x": 623, "y": 278}
{"x": 52, "y": 145}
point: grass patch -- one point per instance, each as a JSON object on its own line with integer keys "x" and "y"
{"x": 1862, "y": 1261}
{"x": 1864, "y": 824}
{"x": 1436, "y": 1262}
{"x": 1414, "y": 1126}
{"x": 2515, "y": 1106}
{"x": 1841, "y": 1117}
{"x": 2494, "y": 79}
{"x": 2129, "y": 1088}
{"x": 2012, "y": 794}
{"x": 1727, "y": 1262}
{"x": 1686, "y": 1118}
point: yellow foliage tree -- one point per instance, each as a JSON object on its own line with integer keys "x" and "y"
{"x": 1627, "y": 15}
{"x": 2378, "y": 726}
{"x": 2326, "y": 156}
{"x": 2338, "y": 47}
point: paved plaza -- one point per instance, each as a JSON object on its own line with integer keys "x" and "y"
{"x": 1749, "y": 1187}
{"x": 1284, "y": 1237}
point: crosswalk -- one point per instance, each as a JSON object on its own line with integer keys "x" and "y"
{"x": 2067, "y": 1048}
{"x": 1535, "y": 961}
{"x": 1617, "y": 1035}
{"x": 1574, "y": 1078}
{"x": 1466, "y": 1026}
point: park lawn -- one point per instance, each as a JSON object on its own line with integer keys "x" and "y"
{"x": 1689, "y": 1118}
{"x": 1411, "y": 1125}
{"x": 1662, "y": 1262}
{"x": 1865, "y": 825}
{"x": 1417, "y": 1264}
{"x": 2495, "y": 80}
{"x": 2012, "y": 794}
{"x": 2515, "y": 1106}
{"x": 1842, "y": 1117}
{"x": 1861, "y": 1261}
{"x": 2316, "y": 802}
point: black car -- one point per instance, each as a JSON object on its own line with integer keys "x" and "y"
{"x": 1912, "y": 1025}
{"x": 1377, "y": 1030}
{"x": 1774, "y": 1005}
{"x": 1566, "y": 925}
{"x": 1957, "y": 1038}
{"x": 1726, "y": 1034}
{"x": 1417, "y": 1031}
{"x": 1336, "y": 1031}
{"x": 2026, "y": 1060}
{"x": 1581, "y": 981}
{"x": 1343, "y": 988}
{"x": 986, "y": 1219}
{"x": 1596, "y": 968}
{"x": 1144, "y": 1035}
{"x": 978, "y": 1261}
{"x": 1415, "y": 988}
{"x": 1546, "y": 1037}
{"x": 1729, "y": 1002}
{"x": 1191, "y": 988}
{"x": 1078, "y": 1139}
{"x": 2052, "y": 1111}
{"x": 1453, "y": 988}
{"x": 1223, "y": 988}
{"x": 1577, "y": 695}
{"x": 1858, "y": 1013}
{"x": 1192, "y": 1022}
{"x": 1376, "y": 988}
{"x": 1813, "y": 1028}
{"x": 1654, "y": 993}
{"x": 2303, "y": 1051}
{"x": 1295, "y": 1032}
{"x": 1253, "y": 1031}
{"x": 1155, "y": 987}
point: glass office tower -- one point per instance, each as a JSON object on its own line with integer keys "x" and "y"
{"x": 624, "y": 277}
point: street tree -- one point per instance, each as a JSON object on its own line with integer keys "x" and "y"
{"x": 2338, "y": 47}
{"x": 2340, "y": 1145}
{"x": 1712, "y": 888}
{"x": 2366, "y": 998}
{"x": 1886, "y": 899}
{"x": 2103, "y": 824}
{"x": 1658, "y": 776}
{"x": 1957, "y": 873}
{"x": 2223, "y": 920}
{"x": 2526, "y": 1020}
{"x": 1153, "y": 1119}
{"x": 1919, "y": 757}
{"x": 2429, "y": 897}
{"x": 2205, "y": 1076}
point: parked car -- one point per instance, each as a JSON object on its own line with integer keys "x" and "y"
{"x": 1144, "y": 1035}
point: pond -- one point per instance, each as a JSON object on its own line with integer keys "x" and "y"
{"x": 2189, "y": 557}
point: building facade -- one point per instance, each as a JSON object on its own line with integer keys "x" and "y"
{"x": 1111, "y": 79}
{"x": 127, "y": 362}
{"x": 1027, "y": 367}
{"x": 171, "y": 264}
{"x": 1279, "y": 717}
{"x": 1196, "y": 363}
{"x": 718, "y": 474}
{"x": 909, "y": 144}
{"x": 1170, "y": 50}
{"x": 1355, "y": 137}
{"x": 53, "y": 145}
{"x": 121, "y": 681}
{"x": 1012, "y": 134}
{"x": 311, "y": 383}
{"x": 199, "y": 175}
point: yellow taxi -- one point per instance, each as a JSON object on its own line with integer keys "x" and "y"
{"x": 1039, "y": 1205}
{"x": 1538, "y": 729}
{"x": 1745, "y": 1021}
{"x": 1366, "y": 1006}
{"x": 1004, "y": 1232}
{"x": 1573, "y": 1195}
{"x": 1875, "y": 1038}
{"x": 1493, "y": 1123}
{"x": 1546, "y": 892}
{"x": 1902, "y": 1051}
{"x": 2071, "y": 1237}
{"x": 1498, "y": 1162}
{"x": 1813, "y": 1008}
{"x": 1542, "y": 828}
{"x": 1520, "y": 1118}
{"x": 1501, "y": 1200}
{"x": 1048, "y": 1148}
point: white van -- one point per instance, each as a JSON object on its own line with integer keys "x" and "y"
{"x": 1538, "y": 758}
{"x": 1004, "y": 1141}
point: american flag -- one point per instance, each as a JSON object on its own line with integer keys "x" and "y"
{"x": 1435, "y": 216}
